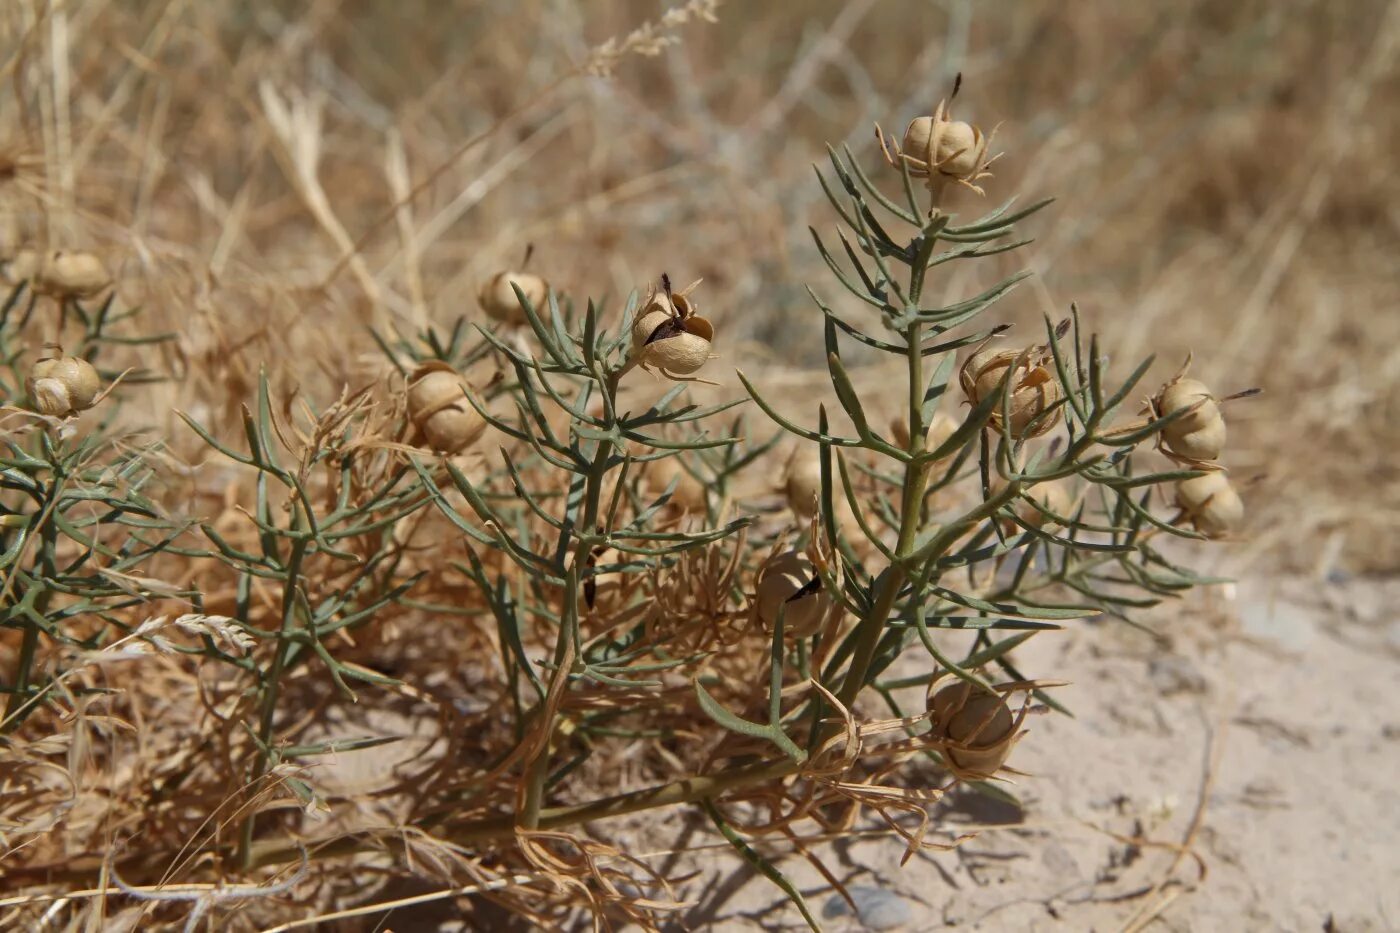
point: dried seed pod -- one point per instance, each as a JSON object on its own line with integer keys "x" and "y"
{"x": 1183, "y": 393}
{"x": 1032, "y": 385}
{"x": 975, "y": 727}
{"x": 75, "y": 274}
{"x": 951, "y": 147}
{"x": 1201, "y": 445}
{"x": 62, "y": 386}
{"x": 499, "y": 301}
{"x": 669, "y": 335}
{"x": 689, "y": 494}
{"x": 1212, "y": 504}
{"x": 438, "y": 407}
{"x": 789, "y": 582}
{"x": 601, "y": 590}
{"x": 802, "y": 481}
{"x": 939, "y": 430}
{"x": 22, "y": 266}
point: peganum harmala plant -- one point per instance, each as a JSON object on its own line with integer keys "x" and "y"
{"x": 643, "y": 604}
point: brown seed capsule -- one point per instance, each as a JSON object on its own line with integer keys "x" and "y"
{"x": 689, "y": 494}
{"x": 670, "y": 336}
{"x": 976, "y": 728}
{"x": 951, "y": 147}
{"x": 21, "y": 267}
{"x": 499, "y": 300}
{"x": 1212, "y": 504}
{"x": 939, "y": 430}
{"x": 1031, "y": 384}
{"x": 788, "y": 582}
{"x": 1183, "y": 393}
{"x": 802, "y": 482}
{"x": 438, "y": 406}
{"x": 1202, "y": 445}
{"x": 62, "y": 386}
{"x": 72, "y": 275}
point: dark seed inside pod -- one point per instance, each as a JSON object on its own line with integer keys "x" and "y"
{"x": 671, "y": 327}
{"x": 813, "y": 585}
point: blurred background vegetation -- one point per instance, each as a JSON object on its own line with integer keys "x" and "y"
{"x": 1225, "y": 177}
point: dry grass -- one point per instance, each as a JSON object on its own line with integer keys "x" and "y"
{"x": 272, "y": 179}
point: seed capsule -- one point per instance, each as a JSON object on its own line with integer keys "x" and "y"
{"x": 1212, "y": 504}
{"x": 976, "y": 728}
{"x": 1032, "y": 386}
{"x": 438, "y": 407}
{"x": 939, "y": 430}
{"x": 1203, "y": 444}
{"x": 788, "y": 582}
{"x": 670, "y": 336}
{"x": 689, "y": 494}
{"x": 21, "y": 267}
{"x": 802, "y": 482}
{"x": 499, "y": 301}
{"x": 62, "y": 386}
{"x": 950, "y": 147}
{"x": 72, "y": 275}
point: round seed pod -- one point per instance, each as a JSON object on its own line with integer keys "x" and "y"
{"x": 802, "y": 482}
{"x": 62, "y": 386}
{"x": 1183, "y": 393}
{"x": 438, "y": 407}
{"x": 689, "y": 494}
{"x": 1212, "y": 504}
{"x": 670, "y": 336}
{"x": 22, "y": 266}
{"x": 976, "y": 728}
{"x": 939, "y": 430}
{"x": 951, "y": 147}
{"x": 498, "y": 299}
{"x": 1032, "y": 385}
{"x": 1203, "y": 444}
{"x": 72, "y": 275}
{"x": 788, "y": 582}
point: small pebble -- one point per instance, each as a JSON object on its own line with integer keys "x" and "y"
{"x": 877, "y": 908}
{"x": 1172, "y": 674}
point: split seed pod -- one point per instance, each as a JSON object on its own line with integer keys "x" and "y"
{"x": 976, "y": 728}
{"x": 1212, "y": 504}
{"x": 62, "y": 386}
{"x": 1199, "y": 434}
{"x": 789, "y": 582}
{"x": 499, "y": 301}
{"x": 67, "y": 274}
{"x": 438, "y": 407}
{"x": 669, "y": 335}
{"x": 1032, "y": 385}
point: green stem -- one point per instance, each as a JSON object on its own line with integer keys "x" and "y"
{"x": 15, "y": 712}
{"x": 272, "y": 685}
{"x": 537, "y": 772}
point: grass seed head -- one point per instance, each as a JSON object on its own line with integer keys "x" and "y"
{"x": 498, "y": 299}
{"x": 62, "y": 386}
{"x": 976, "y": 728}
{"x": 1032, "y": 385}
{"x": 1212, "y": 504}
{"x": 789, "y": 582}
{"x": 438, "y": 407}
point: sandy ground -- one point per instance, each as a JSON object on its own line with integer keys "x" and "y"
{"x": 1261, "y": 733}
